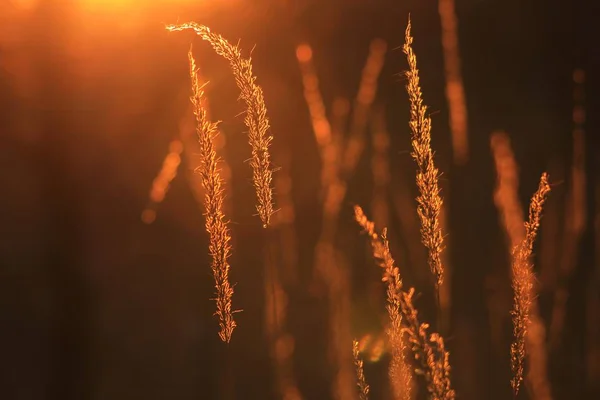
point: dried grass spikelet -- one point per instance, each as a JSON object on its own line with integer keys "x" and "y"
{"x": 429, "y": 200}
{"x": 523, "y": 283}
{"x": 361, "y": 382}
{"x": 216, "y": 226}
{"x": 256, "y": 114}
{"x": 428, "y": 349}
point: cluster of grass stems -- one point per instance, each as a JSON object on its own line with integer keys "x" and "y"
{"x": 416, "y": 350}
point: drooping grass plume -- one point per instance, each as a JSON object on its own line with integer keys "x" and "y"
{"x": 428, "y": 349}
{"x": 216, "y": 226}
{"x": 361, "y": 382}
{"x": 256, "y": 114}
{"x": 429, "y": 200}
{"x": 523, "y": 281}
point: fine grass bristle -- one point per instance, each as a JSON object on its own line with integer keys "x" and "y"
{"x": 429, "y": 200}
{"x": 523, "y": 280}
{"x": 428, "y": 350}
{"x": 256, "y": 114}
{"x": 216, "y": 226}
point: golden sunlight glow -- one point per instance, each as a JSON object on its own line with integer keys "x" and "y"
{"x": 136, "y": 9}
{"x": 131, "y": 15}
{"x": 104, "y": 5}
{"x": 24, "y": 5}
{"x": 114, "y": 4}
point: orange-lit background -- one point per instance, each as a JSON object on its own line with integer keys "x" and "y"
{"x": 104, "y": 273}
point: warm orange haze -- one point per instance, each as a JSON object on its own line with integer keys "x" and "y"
{"x": 274, "y": 199}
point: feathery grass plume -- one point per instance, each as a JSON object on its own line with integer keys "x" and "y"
{"x": 506, "y": 198}
{"x": 429, "y": 200}
{"x": 189, "y": 138}
{"x": 256, "y": 114}
{"x": 216, "y": 226}
{"x": 220, "y": 142}
{"x": 428, "y": 349}
{"x": 523, "y": 283}
{"x": 361, "y": 382}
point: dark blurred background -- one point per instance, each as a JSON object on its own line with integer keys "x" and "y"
{"x": 97, "y": 304}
